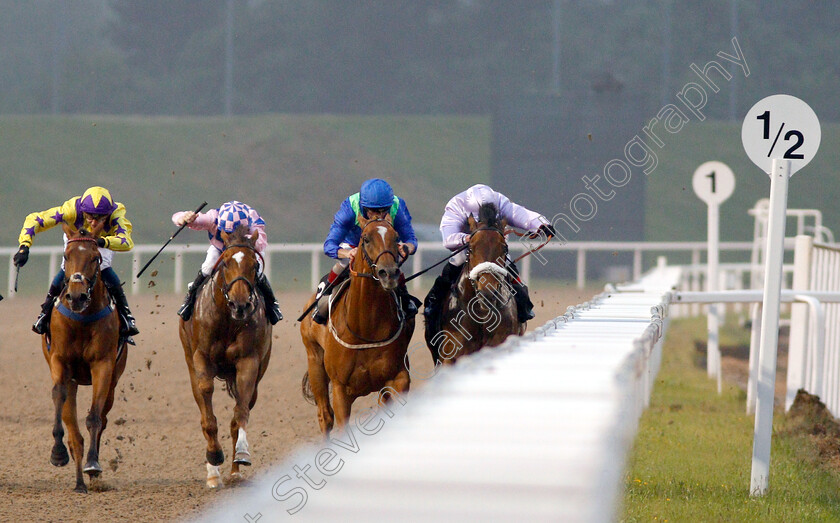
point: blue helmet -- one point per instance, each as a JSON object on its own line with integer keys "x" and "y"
{"x": 376, "y": 194}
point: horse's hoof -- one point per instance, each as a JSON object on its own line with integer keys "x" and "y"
{"x": 81, "y": 488}
{"x": 242, "y": 458}
{"x": 93, "y": 469}
{"x": 59, "y": 456}
{"x": 214, "y": 483}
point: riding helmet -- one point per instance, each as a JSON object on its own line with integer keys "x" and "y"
{"x": 376, "y": 194}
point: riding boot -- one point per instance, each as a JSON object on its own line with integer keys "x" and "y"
{"x": 324, "y": 289}
{"x": 432, "y": 308}
{"x": 186, "y": 309}
{"x": 272, "y": 308}
{"x": 408, "y": 302}
{"x": 524, "y": 307}
{"x": 128, "y": 327}
{"x": 43, "y": 322}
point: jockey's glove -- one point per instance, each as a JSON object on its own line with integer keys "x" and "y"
{"x": 548, "y": 230}
{"x": 22, "y": 256}
{"x": 100, "y": 242}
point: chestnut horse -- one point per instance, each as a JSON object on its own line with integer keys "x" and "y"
{"x": 480, "y": 311}
{"x": 81, "y": 348}
{"x": 228, "y": 337}
{"x": 363, "y": 346}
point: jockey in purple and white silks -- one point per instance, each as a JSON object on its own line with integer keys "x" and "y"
{"x": 455, "y": 232}
{"x": 225, "y": 219}
{"x": 91, "y": 208}
{"x": 374, "y": 200}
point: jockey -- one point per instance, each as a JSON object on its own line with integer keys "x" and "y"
{"x": 375, "y": 200}
{"x": 87, "y": 210}
{"x": 455, "y": 232}
{"x": 214, "y": 221}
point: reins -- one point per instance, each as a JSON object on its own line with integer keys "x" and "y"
{"x": 400, "y": 315}
{"x": 227, "y": 286}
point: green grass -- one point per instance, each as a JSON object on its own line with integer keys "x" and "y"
{"x": 693, "y": 452}
{"x": 295, "y": 170}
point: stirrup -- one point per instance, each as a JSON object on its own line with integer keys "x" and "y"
{"x": 41, "y": 324}
{"x": 273, "y": 313}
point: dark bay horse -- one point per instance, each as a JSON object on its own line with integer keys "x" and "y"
{"x": 81, "y": 348}
{"x": 228, "y": 337}
{"x": 481, "y": 311}
{"x": 363, "y": 346}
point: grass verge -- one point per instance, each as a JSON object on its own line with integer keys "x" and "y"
{"x": 693, "y": 451}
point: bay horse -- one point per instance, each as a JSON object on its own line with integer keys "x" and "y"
{"x": 228, "y": 337}
{"x": 480, "y": 311}
{"x": 362, "y": 347}
{"x": 83, "y": 347}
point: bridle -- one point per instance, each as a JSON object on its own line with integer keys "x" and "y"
{"x": 372, "y": 261}
{"x": 81, "y": 278}
{"x": 227, "y": 286}
{"x": 473, "y": 279}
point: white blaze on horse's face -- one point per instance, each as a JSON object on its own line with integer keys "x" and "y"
{"x": 77, "y": 277}
{"x": 238, "y": 257}
{"x": 382, "y": 230}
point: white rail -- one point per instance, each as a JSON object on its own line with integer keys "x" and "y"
{"x": 427, "y": 254}
{"x": 534, "y": 430}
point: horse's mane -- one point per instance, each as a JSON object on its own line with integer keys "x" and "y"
{"x": 239, "y": 235}
{"x": 488, "y": 214}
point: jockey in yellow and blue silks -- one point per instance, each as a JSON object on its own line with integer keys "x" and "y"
{"x": 374, "y": 200}
{"x": 93, "y": 207}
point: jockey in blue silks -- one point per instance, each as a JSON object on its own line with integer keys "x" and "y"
{"x": 374, "y": 200}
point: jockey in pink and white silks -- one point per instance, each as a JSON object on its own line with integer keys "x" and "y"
{"x": 226, "y": 218}
{"x": 455, "y": 232}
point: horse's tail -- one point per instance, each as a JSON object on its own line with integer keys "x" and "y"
{"x": 306, "y": 389}
{"x": 230, "y": 385}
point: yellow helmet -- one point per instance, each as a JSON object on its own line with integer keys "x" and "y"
{"x": 97, "y": 200}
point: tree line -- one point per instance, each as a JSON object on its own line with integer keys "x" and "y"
{"x": 216, "y": 57}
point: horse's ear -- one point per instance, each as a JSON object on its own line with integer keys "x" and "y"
{"x": 503, "y": 224}
{"x": 362, "y": 221}
{"x": 471, "y": 221}
{"x": 252, "y": 240}
{"x": 388, "y": 218}
{"x": 224, "y": 236}
{"x": 68, "y": 230}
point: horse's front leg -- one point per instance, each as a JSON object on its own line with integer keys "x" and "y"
{"x": 247, "y": 374}
{"x": 59, "y": 456}
{"x": 101, "y": 373}
{"x": 202, "y": 388}
{"x": 342, "y": 402}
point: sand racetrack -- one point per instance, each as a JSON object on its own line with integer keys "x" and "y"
{"x": 153, "y": 449}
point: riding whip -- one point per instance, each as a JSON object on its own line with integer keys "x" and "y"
{"x": 17, "y": 273}
{"x": 181, "y": 228}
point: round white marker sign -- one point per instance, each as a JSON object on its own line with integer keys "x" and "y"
{"x": 781, "y": 126}
{"x": 713, "y": 182}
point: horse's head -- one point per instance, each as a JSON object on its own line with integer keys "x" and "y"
{"x": 238, "y": 267}
{"x": 81, "y": 266}
{"x": 378, "y": 246}
{"x": 487, "y": 254}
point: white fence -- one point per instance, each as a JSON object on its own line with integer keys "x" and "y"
{"x": 814, "y": 351}
{"x": 427, "y": 254}
{"x": 534, "y": 430}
